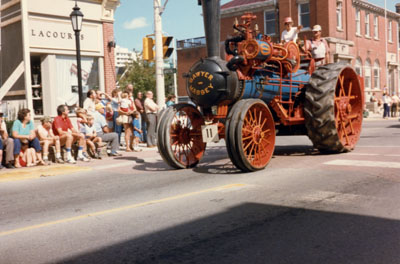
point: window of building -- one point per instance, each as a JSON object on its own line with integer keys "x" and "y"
{"x": 376, "y": 27}
{"x": 376, "y": 75}
{"x": 67, "y": 86}
{"x": 367, "y": 33}
{"x": 367, "y": 76}
{"x": 304, "y": 14}
{"x": 270, "y": 23}
{"x": 358, "y": 22}
{"x": 339, "y": 7}
{"x": 390, "y": 37}
{"x": 358, "y": 66}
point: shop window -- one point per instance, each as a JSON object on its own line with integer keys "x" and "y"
{"x": 367, "y": 76}
{"x": 270, "y": 23}
{"x": 367, "y": 33}
{"x": 358, "y": 22}
{"x": 376, "y": 27}
{"x": 339, "y": 7}
{"x": 304, "y": 14}
{"x": 67, "y": 81}
{"x": 36, "y": 82}
{"x": 376, "y": 75}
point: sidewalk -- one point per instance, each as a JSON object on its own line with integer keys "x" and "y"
{"x": 378, "y": 116}
{"x": 59, "y": 169}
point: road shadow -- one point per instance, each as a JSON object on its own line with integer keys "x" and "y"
{"x": 260, "y": 233}
{"x": 394, "y": 126}
{"x": 296, "y": 150}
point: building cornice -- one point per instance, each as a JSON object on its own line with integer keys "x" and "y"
{"x": 247, "y": 8}
{"x": 375, "y": 9}
{"x": 109, "y": 7}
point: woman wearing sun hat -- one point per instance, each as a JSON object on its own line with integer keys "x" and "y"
{"x": 290, "y": 32}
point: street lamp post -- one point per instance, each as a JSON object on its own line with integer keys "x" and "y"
{"x": 76, "y": 20}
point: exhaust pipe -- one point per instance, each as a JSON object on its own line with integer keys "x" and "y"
{"x": 212, "y": 25}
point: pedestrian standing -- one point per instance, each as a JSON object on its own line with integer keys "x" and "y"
{"x": 170, "y": 100}
{"x": 143, "y": 119}
{"x": 151, "y": 109}
{"x": 395, "y": 105}
{"x": 115, "y": 101}
{"x": 386, "y": 105}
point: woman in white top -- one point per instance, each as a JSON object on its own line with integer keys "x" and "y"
{"x": 290, "y": 33}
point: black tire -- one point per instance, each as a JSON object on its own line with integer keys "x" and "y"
{"x": 164, "y": 135}
{"x": 230, "y": 134}
{"x": 320, "y": 109}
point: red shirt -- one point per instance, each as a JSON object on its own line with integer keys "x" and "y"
{"x": 63, "y": 123}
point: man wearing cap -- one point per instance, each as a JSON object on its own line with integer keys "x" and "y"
{"x": 63, "y": 128}
{"x": 47, "y": 139}
{"x": 290, "y": 33}
{"x": 318, "y": 46}
{"x": 6, "y": 145}
{"x": 102, "y": 130}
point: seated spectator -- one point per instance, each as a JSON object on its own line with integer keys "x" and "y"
{"x": 81, "y": 115}
{"x": 92, "y": 138}
{"x": 101, "y": 128}
{"x": 27, "y": 155}
{"x": 23, "y": 129}
{"x": 7, "y": 145}
{"x": 47, "y": 139}
{"x": 63, "y": 128}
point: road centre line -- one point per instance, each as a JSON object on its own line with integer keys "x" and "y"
{"x": 365, "y": 163}
{"x": 123, "y": 208}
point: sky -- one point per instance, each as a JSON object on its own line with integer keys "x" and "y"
{"x": 181, "y": 19}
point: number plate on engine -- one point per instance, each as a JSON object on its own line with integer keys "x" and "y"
{"x": 210, "y": 133}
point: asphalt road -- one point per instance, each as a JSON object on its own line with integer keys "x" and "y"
{"x": 303, "y": 208}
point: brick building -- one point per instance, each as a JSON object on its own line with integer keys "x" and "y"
{"x": 38, "y": 55}
{"x": 355, "y": 30}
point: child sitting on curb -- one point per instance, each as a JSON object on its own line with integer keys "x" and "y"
{"x": 92, "y": 138}
{"x": 27, "y": 155}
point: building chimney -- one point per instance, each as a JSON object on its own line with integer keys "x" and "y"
{"x": 398, "y": 8}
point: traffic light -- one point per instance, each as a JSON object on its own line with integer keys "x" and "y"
{"x": 148, "y": 53}
{"x": 167, "y": 51}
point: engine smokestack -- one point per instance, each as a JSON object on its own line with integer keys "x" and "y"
{"x": 212, "y": 15}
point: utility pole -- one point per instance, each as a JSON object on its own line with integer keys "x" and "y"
{"x": 386, "y": 51}
{"x": 160, "y": 86}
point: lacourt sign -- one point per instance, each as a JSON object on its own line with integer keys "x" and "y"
{"x": 56, "y": 35}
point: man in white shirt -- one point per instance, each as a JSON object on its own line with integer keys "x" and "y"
{"x": 151, "y": 109}
{"x": 318, "y": 46}
{"x": 290, "y": 33}
{"x": 7, "y": 145}
{"x": 90, "y": 102}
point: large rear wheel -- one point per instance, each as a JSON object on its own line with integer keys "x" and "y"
{"x": 333, "y": 108}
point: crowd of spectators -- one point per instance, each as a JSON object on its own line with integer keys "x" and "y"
{"x": 80, "y": 136}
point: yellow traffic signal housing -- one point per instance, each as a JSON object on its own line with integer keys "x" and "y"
{"x": 148, "y": 53}
{"x": 167, "y": 51}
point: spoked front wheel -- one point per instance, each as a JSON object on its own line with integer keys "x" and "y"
{"x": 179, "y": 136}
{"x": 251, "y": 135}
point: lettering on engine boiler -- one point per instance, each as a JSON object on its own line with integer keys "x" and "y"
{"x": 204, "y": 76}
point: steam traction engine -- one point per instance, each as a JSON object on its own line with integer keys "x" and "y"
{"x": 261, "y": 88}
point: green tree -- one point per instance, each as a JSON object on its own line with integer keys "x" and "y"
{"x": 142, "y": 75}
